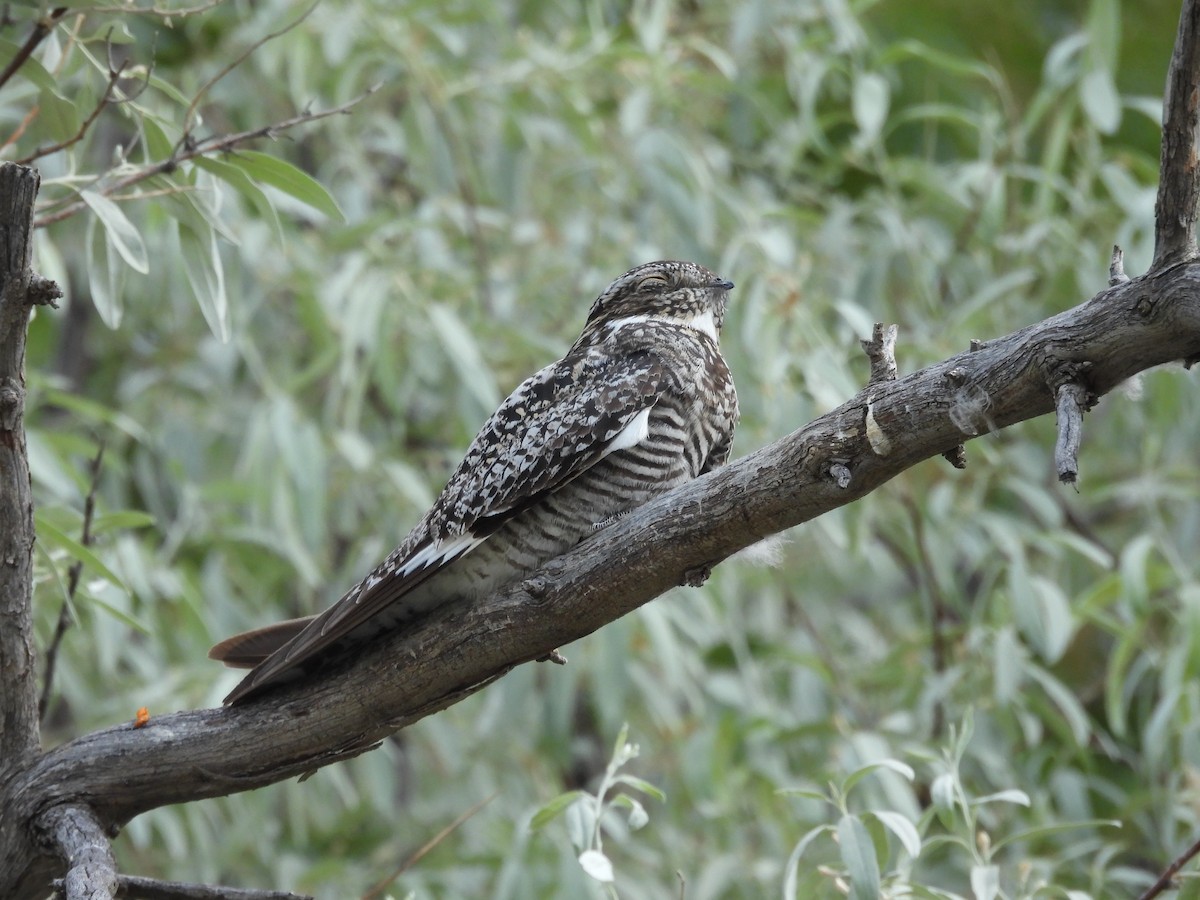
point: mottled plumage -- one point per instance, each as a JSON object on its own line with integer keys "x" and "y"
{"x": 642, "y": 402}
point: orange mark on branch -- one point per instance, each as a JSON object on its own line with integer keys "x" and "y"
{"x": 142, "y": 717}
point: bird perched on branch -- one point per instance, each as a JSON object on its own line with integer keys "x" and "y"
{"x": 643, "y": 401}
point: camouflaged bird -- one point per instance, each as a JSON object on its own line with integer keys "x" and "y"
{"x": 643, "y": 401}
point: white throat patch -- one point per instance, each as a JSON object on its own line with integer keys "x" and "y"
{"x": 703, "y": 322}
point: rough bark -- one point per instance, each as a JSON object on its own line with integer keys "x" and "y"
{"x": 18, "y": 699}
{"x": 888, "y": 427}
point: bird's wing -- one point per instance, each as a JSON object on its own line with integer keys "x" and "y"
{"x": 556, "y": 425}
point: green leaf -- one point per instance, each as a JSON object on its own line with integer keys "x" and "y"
{"x": 902, "y": 828}
{"x": 287, "y": 178}
{"x": 464, "y": 353}
{"x": 121, "y": 616}
{"x": 858, "y": 856}
{"x": 807, "y": 793}
{"x": 30, "y": 69}
{"x": 206, "y": 275}
{"x": 1041, "y": 831}
{"x": 893, "y": 765}
{"x": 792, "y": 868}
{"x": 58, "y": 115}
{"x": 158, "y": 145}
{"x": 554, "y": 808}
{"x": 105, "y": 274}
{"x": 122, "y": 520}
{"x": 246, "y": 186}
{"x": 52, "y": 535}
{"x": 121, "y": 232}
{"x": 1012, "y": 795}
{"x": 638, "y": 817}
{"x": 641, "y": 785}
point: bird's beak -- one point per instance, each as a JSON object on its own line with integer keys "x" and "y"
{"x": 723, "y": 285}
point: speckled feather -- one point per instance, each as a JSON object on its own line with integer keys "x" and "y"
{"x": 642, "y": 401}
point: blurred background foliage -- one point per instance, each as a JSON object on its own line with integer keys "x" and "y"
{"x": 970, "y": 683}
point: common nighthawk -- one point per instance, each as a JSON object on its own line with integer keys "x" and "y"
{"x": 643, "y": 401}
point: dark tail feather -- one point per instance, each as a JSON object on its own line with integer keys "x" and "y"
{"x": 248, "y": 649}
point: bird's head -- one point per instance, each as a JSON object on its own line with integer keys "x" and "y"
{"x": 669, "y": 290}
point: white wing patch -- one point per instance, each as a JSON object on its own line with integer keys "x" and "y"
{"x": 439, "y": 553}
{"x": 631, "y": 435}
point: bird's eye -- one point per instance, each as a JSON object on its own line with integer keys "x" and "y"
{"x": 655, "y": 282}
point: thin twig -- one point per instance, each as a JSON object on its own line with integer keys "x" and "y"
{"x": 939, "y": 609}
{"x": 219, "y": 144}
{"x": 132, "y": 887}
{"x": 64, "y": 613}
{"x": 180, "y": 13}
{"x": 1165, "y": 881}
{"x": 114, "y": 75}
{"x": 378, "y": 889}
{"x": 40, "y": 30}
{"x": 237, "y": 61}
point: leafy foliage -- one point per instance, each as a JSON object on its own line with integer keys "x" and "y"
{"x": 284, "y": 348}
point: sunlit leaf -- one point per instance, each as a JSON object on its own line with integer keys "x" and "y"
{"x": 597, "y": 865}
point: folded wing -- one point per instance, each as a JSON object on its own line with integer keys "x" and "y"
{"x": 552, "y": 428}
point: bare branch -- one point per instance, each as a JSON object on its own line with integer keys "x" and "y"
{"x": 1166, "y": 881}
{"x": 79, "y": 839}
{"x": 64, "y": 612}
{"x": 161, "y": 12}
{"x": 1179, "y": 169}
{"x": 18, "y": 692}
{"x": 378, "y": 889}
{"x": 39, "y": 33}
{"x": 114, "y": 76}
{"x": 134, "y": 888}
{"x": 237, "y": 61}
{"x": 399, "y": 679}
{"x": 220, "y": 144}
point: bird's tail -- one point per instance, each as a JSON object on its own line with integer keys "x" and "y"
{"x": 248, "y": 649}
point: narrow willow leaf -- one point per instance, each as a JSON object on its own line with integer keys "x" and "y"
{"x": 902, "y": 828}
{"x": 122, "y": 233}
{"x": 642, "y": 785}
{"x": 104, "y": 276}
{"x": 206, "y": 275}
{"x": 858, "y": 856}
{"x": 54, "y": 536}
{"x": 553, "y": 809}
{"x": 289, "y": 179}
